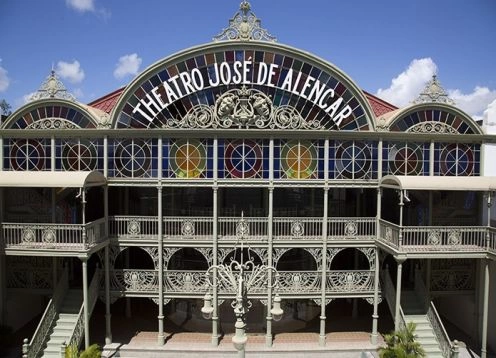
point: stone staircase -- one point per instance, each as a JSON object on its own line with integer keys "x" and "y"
{"x": 65, "y": 323}
{"x": 414, "y": 310}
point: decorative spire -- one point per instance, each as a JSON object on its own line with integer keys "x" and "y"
{"x": 434, "y": 92}
{"x": 52, "y": 87}
{"x": 244, "y": 26}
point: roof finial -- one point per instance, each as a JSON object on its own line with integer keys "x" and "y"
{"x": 244, "y": 26}
{"x": 434, "y": 92}
{"x": 52, "y": 87}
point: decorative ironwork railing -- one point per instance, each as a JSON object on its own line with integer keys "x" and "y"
{"x": 53, "y": 236}
{"x": 40, "y": 278}
{"x": 78, "y": 331}
{"x": 447, "y": 347}
{"x": 389, "y": 233}
{"x": 256, "y": 228}
{"x": 190, "y": 282}
{"x": 491, "y": 245}
{"x": 134, "y": 280}
{"x": 351, "y": 228}
{"x": 33, "y": 348}
{"x": 441, "y": 238}
{"x": 357, "y": 281}
{"x": 201, "y": 228}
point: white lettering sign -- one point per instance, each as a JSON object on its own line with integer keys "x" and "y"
{"x": 186, "y": 83}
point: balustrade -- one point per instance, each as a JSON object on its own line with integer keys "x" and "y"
{"x": 53, "y": 236}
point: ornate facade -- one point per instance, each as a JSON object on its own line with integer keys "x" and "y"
{"x": 246, "y": 140}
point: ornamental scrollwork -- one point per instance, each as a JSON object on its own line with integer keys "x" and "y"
{"x": 164, "y": 301}
{"x": 185, "y": 281}
{"x": 350, "y": 228}
{"x": 454, "y": 237}
{"x": 243, "y": 108}
{"x": 188, "y": 229}
{"x": 318, "y": 301}
{"x": 452, "y": 280}
{"x": 370, "y": 300}
{"x": 244, "y": 26}
{"x": 299, "y": 281}
{"x": 350, "y": 281}
{"x": 53, "y": 123}
{"x": 434, "y": 237}
{"x": 28, "y": 235}
{"x": 133, "y": 227}
{"x": 297, "y": 229}
{"x": 49, "y": 235}
{"x": 432, "y": 127}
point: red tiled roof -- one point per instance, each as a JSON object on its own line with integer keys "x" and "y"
{"x": 108, "y": 102}
{"x": 378, "y": 105}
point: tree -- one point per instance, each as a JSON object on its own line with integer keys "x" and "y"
{"x": 5, "y": 108}
{"x": 402, "y": 344}
{"x": 92, "y": 351}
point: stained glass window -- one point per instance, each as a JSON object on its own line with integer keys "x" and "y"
{"x": 298, "y": 159}
{"x": 433, "y": 121}
{"x": 28, "y": 154}
{"x": 53, "y": 117}
{"x": 173, "y": 89}
{"x": 457, "y": 159}
{"x": 406, "y": 158}
{"x": 243, "y": 158}
{"x": 351, "y": 160}
{"x": 133, "y": 158}
{"x": 79, "y": 154}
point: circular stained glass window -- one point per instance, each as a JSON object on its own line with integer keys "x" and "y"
{"x": 243, "y": 158}
{"x": 27, "y": 154}
{"x": 79, "y": 156}
{"x": 407, "y": 160}
{"x": 298, "y": 159}
{"x": 353, "y": 159}
{"x": 188, "y": 158}
{"x": 132, "y": 158}
{"x": 457, "y": 159}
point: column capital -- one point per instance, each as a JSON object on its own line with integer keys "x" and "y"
{"x": 400, "y": 259}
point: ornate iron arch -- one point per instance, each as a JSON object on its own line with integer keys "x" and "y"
{"x": 240, "y": 84}
{"x": 55, "y": 114}
{"x": 431, "y": 118}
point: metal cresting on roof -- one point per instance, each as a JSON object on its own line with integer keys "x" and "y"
{"x": 52, "y": 87}
{"x": 245, "y": 26}
{"x": 434, "y": 92}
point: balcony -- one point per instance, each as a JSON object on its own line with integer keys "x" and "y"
{"x": 284, "y": 229}
{"x": 437, "y": 241}
{"x": 57, "y": 239}
{"x": 189, "y": 283}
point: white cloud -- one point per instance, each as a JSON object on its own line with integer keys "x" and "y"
{"x": 26, "y": 98}
{"x": 4, "y": 79}
{"x": 127, "y": 65}
{"x": 408, "y": 84}
{"x": 78, "y": 93}
{"x": 475, "y": 103}
{"x": 70, "y": 71}
{"x": 83, "y": 6}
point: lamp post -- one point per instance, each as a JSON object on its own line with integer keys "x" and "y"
{"x": 241, "y": 277}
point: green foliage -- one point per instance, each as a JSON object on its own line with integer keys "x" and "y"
{"x": 402, "y": 344}
{"x": 71, "y": 351}
{"x": 92, "y": 351}
{"x": 5, "y": 108}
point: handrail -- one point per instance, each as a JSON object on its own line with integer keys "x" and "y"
{"x": 32, "y": 349}
{"x": 78, "y": 331}
{"x": 449, "y": 348}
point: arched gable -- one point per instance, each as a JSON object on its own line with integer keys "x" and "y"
{"x": 52, "y": 114}
{"x": 433, "y": 118}
{"x": 242, "y": 85}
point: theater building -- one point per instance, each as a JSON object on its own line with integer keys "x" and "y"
{"x": 245, "y": 149}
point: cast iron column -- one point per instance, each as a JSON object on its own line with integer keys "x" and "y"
{"x": 268, "y": 337}
{"x": 322, "y": 336}
{"x": 86, "y": 304}
{"x": 161, "y": 337}
{"x": 215, "y": 313}
{"x": 398, "y": 294}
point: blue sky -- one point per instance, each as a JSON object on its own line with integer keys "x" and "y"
{"x": 390, "y": 48}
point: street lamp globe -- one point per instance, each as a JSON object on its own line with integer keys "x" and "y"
{"x": 207, "y": 308}
{"x": 276, "y": 310}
